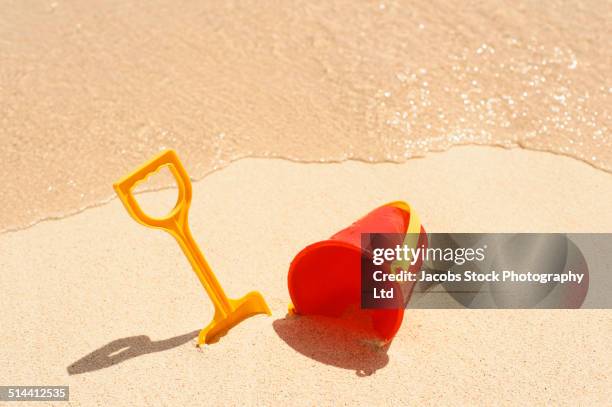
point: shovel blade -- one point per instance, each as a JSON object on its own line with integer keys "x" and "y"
{"x": 241, "y": 309}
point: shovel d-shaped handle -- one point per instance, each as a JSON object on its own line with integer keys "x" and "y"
{"x": 178, "y": 216}
{"x": 176, "y": 222}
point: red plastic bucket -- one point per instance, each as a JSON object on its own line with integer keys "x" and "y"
{"x": 325, "y": 277}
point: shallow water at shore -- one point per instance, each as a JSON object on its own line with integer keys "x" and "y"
{"x": 88, "y": 93}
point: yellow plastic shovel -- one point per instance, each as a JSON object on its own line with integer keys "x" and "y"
{"x": 228, "y": 312}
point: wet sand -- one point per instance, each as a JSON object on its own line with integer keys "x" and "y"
{"x": 91, "y": 91}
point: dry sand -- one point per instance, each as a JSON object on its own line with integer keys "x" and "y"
{"x": 98, "y": 282}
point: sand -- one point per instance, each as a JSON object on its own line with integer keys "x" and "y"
{"x": 98, "y": 282}
{"x": 97, "y": 302}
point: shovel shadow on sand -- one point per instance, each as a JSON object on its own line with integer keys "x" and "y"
{"x": 123, "y": 349}
{"x": 328, "y": 341}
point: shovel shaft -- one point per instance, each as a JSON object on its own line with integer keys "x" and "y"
{"x": 202, "y": 269}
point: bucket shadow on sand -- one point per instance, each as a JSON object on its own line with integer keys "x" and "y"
{"x": 329, "y": 341}
{"x": 123, "y": 349}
